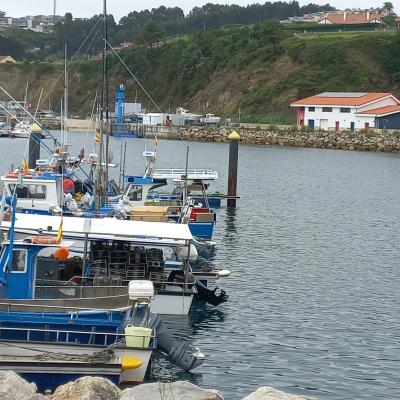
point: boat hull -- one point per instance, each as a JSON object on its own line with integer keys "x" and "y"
{"x": 173, "y": 303}
{"x": 203, "y": 230}
{"x": 21, "y": 356}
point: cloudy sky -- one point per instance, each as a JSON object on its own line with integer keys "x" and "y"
{"x": 119, "y": 8}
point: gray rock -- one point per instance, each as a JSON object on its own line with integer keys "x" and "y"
{"x": 269, "y": 393}
{"x": 87, "y": 388}
{"x": 13, "y": 387}
{"x": 180, "y": 390}
{"x": 39, "y": 396}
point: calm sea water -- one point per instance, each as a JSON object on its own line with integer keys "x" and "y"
{"x": 314, "y": 252}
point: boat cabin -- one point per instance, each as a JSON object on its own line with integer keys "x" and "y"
{"x": 96, "y": 259}
{"x": 36, "y": 193}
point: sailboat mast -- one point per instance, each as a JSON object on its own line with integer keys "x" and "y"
{"x": 104, "y": 113}
{"x": 64, "y": 134}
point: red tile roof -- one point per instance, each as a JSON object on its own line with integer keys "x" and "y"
{"x": 341, "y": 100}
{"x": 382, "y": 110}
{"x": 351, "y": 18}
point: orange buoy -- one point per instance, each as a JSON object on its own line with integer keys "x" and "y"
{"x": 61, "y": 253}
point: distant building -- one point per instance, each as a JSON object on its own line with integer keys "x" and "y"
{"x": 350, "y": 111}
{"x": 351, "y": 18}
{"x": 125, "y": 45}
{"x": 7, "y": 60}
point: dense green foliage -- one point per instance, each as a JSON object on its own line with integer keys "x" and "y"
{"x": 144, "y": 27}
{"x": 259, "y": 69}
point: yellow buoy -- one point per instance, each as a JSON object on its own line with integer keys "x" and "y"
{"x": 234, "y": 136}
{"x": 130, "y": 362}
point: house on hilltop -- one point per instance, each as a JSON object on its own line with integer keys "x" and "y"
{"x": 351, "y": 111}
{"x": 351, "y": 18}
{"x": 7, "y": 60}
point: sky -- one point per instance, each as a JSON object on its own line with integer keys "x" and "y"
{"x": 119, "y": 8}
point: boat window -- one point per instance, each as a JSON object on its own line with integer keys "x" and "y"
{"x": 135, "y": 192}
{"x": 18, "y": 261}
{"x": 29, "y": 191}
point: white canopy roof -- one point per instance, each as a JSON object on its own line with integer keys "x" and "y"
{"x": 102, "y": 228}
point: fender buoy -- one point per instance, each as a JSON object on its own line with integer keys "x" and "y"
{"x": 44, "y": 240}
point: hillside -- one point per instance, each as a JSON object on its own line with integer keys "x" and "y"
{"x": 259, "y": 69}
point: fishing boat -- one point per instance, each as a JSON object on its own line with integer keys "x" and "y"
{"x": 52, "y": 348}
{"x": 97, "y": 257}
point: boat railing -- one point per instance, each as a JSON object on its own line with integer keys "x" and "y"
{"x": 178, "y": 173}
{"x": 68, "y": 336}
{"x": 78, "y": 291}
{"x": 55, "y": 292}
{"x": 19, "y": 305}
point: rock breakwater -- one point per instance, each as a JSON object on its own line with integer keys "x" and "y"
{"x": 365, "y": 140}
{"x": 13, "y": 387}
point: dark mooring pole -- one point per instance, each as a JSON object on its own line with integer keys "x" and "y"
{"x": 234, "y": 140}
{"x": 34, "y": 146}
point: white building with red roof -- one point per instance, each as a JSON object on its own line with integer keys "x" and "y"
{"x": 351, "y": 18}
{"x": 348, "y": 111}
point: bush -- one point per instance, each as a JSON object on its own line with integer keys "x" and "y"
{"x": 367, "y": 132}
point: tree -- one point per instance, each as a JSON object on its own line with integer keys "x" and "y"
{"x": 388, "y": 6}
{"x": 152, "y": 33}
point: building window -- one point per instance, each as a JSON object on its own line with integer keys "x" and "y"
{"x": 311, "y": 108}
{"x": 326, "y": 109}
{"x": 345, "y": 110}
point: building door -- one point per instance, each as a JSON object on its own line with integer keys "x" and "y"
{"x": 324, "y": 124}
{"x": 352, "y": 126}
{"x": 311, "y": 123}
{"x": 337, "y": 126}
{"x": 366, "y": 125}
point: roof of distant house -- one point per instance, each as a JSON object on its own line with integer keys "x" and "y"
{"x": 352, "y": 18}
{"x": 3, "y": 57}
{"x": 353, "y": 99}
{"x": 381, "y": 111}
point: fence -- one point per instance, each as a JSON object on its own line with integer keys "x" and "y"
{"x": 260, "y": 119}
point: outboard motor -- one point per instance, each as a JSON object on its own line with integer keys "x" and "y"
{"x": 211, "y": 296}
{"x": 178, "y": 352}
{"x": 178, "y": 276}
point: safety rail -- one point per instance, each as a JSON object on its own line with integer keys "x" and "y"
{"x": 178, "y": 173}
{"x": 9, "y": 307}
{"x": 68, "y": 333}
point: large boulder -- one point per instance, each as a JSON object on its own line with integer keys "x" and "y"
{"x": 13, "y": 387}
{"x": 269, "y": 393}
{"x": 87, "y": 388}
{"x": 180, "y": 390}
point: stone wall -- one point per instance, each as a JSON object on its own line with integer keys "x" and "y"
{"x": 362, "y": 141}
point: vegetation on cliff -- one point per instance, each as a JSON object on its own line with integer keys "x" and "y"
{"x": 257, "y": 69}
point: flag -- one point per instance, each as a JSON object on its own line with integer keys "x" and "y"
{"x": 60, "y": 232}
{"x": 24, "y": 167}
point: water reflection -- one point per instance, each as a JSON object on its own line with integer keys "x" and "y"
{"x": 201, "y": 318}
{"x": 230, "y": 222}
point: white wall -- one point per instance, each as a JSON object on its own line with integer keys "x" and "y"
{"x": 344, "y": 119}
{"x": 390, "y": 101}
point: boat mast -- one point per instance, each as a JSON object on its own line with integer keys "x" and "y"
{"x": 103, "y": 158}
{"x": 65, "y": 125}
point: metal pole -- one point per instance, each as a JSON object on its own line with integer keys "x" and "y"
{"x": 186, "y": 176}
{"x": 234, "y": 140}
{"x": 85, "y": 249}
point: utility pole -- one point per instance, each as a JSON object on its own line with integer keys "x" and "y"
{"x": 54, "y": 11}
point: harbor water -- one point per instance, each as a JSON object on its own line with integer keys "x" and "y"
{"x": 314, "y": 252}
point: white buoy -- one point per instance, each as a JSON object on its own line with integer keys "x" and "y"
{"x": 182, "y": 253}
